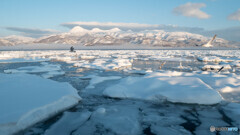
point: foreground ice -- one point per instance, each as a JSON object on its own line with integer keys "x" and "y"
{"x": 27, "y": 99}
{"x": 233, "y": 110}
{"x": 159, "y": 86}
{"x": 104, "y": 120}
{"x": 135, "y": 74}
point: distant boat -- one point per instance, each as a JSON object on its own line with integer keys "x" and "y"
{"x": 209, "y": 44}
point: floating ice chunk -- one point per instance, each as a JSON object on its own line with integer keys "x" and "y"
{"x": 27, "y": 99}
{"x": 101, "y": 110}
{"x": 236, "y": 63}
{"x": 167, "y": 74}
{"x": 106, "y": 64}
{"x": 228, "y": 89}
{"x": 19, "y": 60}
{"x": 213, "y": 59}
{"x": 227, "y": 81}
{"x": 87, "y": 57}
{"x": 98, "y": 79}
{"x": 174, "y": 89}
{"x": 52, "y": 74}
{"x": 62, "y": 58}
{"x": 168, "y": 58}
{"x": 49, "y": 70}
{"x": 215, "y": 67}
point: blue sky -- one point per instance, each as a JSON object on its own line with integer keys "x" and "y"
{"x": 50, "y": 14}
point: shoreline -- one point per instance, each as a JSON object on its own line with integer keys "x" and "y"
{"x": 98, "y": 47}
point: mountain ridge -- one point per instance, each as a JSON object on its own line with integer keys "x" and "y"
{"x": 115, "y": 36}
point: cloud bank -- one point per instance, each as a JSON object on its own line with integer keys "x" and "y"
{"x": 235, "y": 15}
{"x": 32, "y": 32}
{"x": 129, "y": 26}
{"x": 191, "y": 10}
{"x": 110, "y": 25}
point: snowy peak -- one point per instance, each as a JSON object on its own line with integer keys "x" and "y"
{"x": 115, "y": 30}
{"x": 78, "y": 29}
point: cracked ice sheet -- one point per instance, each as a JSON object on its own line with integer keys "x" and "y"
{"x": 164, "y": 120}
{"x": 156, "y": 86}
{"x": 68, "y": 123}
{"x": 114, "y": 119}
{"x": 124, "y": 117}
{"x": 27, "y": 99}
{"x": 209, "y": 117}
{"x": 233, "y": 110}
{"x": 48, "y": 70}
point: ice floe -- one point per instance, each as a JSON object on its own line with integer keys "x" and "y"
{"x": 48, "y": 70}
{"x": 214, "y": 59}
{"x": 19, "y": 60}
{"x": 98, "y": 79}
{"x": 27, "y": 99}
{"x": 216, "y": 67}
{"x": 105, "y": 64}
{"x": 157, "y": 87}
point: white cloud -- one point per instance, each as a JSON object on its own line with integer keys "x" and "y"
{"x": 32, "y": 32}
{"x": 191, "y": 10}
{"x": 129, "y": 26}
{"x": 110, "y": 25}
{"x": 235, "y": 15}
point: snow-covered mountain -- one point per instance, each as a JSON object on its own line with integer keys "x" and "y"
{"x": 15, "y": 40}
{"x": 96, "y": 36}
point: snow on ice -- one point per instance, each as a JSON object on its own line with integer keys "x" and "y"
{"x": 115, "y": 74}
{"x": 157, "y": 87}
{"x": 97, "y": 79}
{"x": 27, "y": 99}
{"x": 48, "y": 70}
